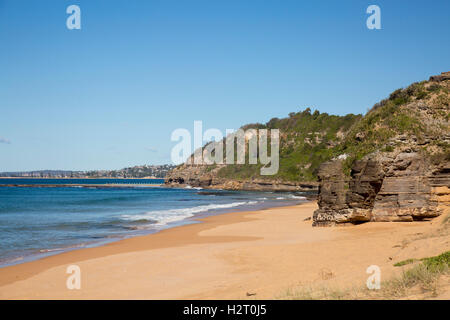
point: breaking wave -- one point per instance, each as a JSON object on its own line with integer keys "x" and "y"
{"x": 163, "y": 217}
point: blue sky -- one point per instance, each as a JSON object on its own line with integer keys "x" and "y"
{"x": 109, "y": 95}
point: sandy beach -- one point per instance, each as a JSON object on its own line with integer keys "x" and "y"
{"x": 241, "y": 255}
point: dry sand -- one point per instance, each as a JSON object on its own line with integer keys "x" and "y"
{"x": 243, "y": 255}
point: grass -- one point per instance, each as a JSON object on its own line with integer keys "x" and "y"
{"x": 322, "y": 293}
{"x": 418, "y": 276}
{"x": 404, "y": 262}
{"x": 439, "y": 263}
{"x": 424, "y": 276}
{"x": 421, "y": 278}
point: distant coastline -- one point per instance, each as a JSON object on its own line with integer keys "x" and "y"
{"x": 90, "y": 182}
{"x": 93, "y": 178}
{"x": 136, "y": 172}
{"x": 93, "y": 186}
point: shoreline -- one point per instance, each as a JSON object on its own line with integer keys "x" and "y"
{"x": 49, "y": 252}
{"x": 201, "y": 219}
{"x": 118, "y": 246}
{"x": 226, "y": 256}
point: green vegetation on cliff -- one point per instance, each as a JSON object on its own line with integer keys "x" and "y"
{"x": 419, "y": 111}
{"x": 418, "y": 114}
{"x": 306, "y": 140}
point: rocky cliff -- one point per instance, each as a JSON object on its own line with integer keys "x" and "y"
{"x": 204, "y": 177}
{"x": 393, "y": 164}
{"x": 400, "y": 186}
{"x": 306, "y": 140}
{"x": 406, "y": 176}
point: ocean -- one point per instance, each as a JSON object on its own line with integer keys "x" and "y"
{"x": 50, "y": 216}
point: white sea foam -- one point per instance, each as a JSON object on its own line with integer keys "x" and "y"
{"x": 13, "y": 260}
{"x": 297, "y": 197}
{"x": 50, "y": 250}
{"x": 291, "y": 196}
{"x": 62, "y": 249}
{"x": 163, "y": 217}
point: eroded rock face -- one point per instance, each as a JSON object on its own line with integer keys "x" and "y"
{"x": 405, "y": 194}
{"x": 397, "y": 186}
{"x": 443, "y": 76}
{"x": 343, "y": 199}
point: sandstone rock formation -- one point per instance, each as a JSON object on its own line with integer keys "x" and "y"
{"x": 443, "y": 76}
{"x": 399, "y": 186}
{"x": 406, "y": 178}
